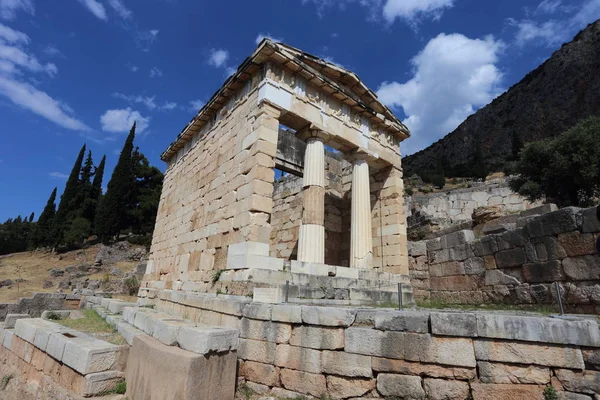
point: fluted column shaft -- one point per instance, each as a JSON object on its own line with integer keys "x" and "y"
{"x": 311, "y": 246}
{"x": 361, "y": 241}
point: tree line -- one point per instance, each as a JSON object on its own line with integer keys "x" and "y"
{"x": 128, "y": 206}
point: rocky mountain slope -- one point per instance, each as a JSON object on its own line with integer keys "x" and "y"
{"x": 548, "y": 101}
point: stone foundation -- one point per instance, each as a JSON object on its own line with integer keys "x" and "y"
{"x": 517, "y": 266}
{"x": 288, "y": 350}
{"x": 38, "y": 303}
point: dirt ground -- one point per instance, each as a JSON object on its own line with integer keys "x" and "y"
{"x": 34, "y": 268}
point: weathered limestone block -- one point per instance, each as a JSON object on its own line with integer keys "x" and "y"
{"x": 485, "y": 246}
{"x": 497, "y": 277}
{"x": 457, "y": 282}
{"x": 483, "y": 391}
{"x": 154, "y": 370}
{"x": 299, "y": 358}
{"x": 304, "y": 382}
{"x": 372, "y": 342}
{"x": 455, "y": 239}
{"x": 257, "y": 350}
{"x": 403, "y": 386}
{"x": 544, "y": 249}
{"x": 549, "y": 271}
{"x": 266, "y": 374}
{"x": 511, "y": 258}
{"x": 511, "y": 239}
{"x": 100, "y": 382}
{"x": 88, "y": 355}
{"x": 286, "y": 313}
{"x": 318, "y": 337}
{"x": 417, "y": 248}
{"x": 539, "y": 329}
{"x": 410, "y": 321}
{"x": 258, "y": 311}
{"x": 441, "y": 389}
{"x": 580, "y": 382}
{"x": 536, "y": 354}
{"x": 504, "y": 373}
{"x": 328, "y": 316}
{"x": 577, "y": 244}
{"x": 265, "y": 330}
{"x": 563, "y": 220}
{"x": 341, "y": 387}
{"x": 11, "y": 319}
{"x": 539, "y": 210}
{"x": 582, "y": 268}
{"x": 416, "y": 368}
{"x": 346, "y": 364}
{"x": 454, "y": 324}
{"x": 439, "y": 350}
{"x": 590, "y": 220}
{"x": 448, "y": 268}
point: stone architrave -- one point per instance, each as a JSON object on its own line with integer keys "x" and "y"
{"x": 311, "y": 241}
{"x": 361, "y": 240}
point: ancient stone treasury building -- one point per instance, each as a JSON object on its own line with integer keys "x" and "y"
{"x": 335, "y": 220}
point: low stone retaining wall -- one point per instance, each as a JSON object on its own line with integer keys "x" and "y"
{"x": 38, "y": 350}
{"x": 40, "y": 302}
{"x": 518, "y": 266}
{"x": 288, "y": 350}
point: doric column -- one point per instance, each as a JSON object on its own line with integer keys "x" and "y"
{"x": 311, "y": 246}
{"x": 361, "y": 240}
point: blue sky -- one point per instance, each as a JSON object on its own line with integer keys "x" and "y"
{"x": 80, "y": 71}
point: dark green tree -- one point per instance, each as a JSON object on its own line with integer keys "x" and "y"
{"x": 112, "y": 213}
{"x": 42, "y": 234}
{"x": 95, "y": 194}
{"x": 146, "y": 194}
{"x": 516, "y": 145}
{"x": 68, "y": 207}
{"x": 564, "y": 169}
{"x": 31, "y": 217}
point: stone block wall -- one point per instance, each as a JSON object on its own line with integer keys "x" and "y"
{"x": 217, "y": 191}
{"x": 38, "y": 303}
{"x": 514, "y": 267}
{"x": 437, "y": 211}
{"x": 287, "y": 213}
{"x": 289, "y": 350}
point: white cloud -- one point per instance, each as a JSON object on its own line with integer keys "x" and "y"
{"x": 549, "y": 6}
{"x": 53, "y": 51}
{"x": 32, "y": 99}
{"x": 120, "y": 9}
{"x": 58, "y": 175}
{"x": 411, "y": 11}
{"x": 555, "y": 31}
{"x": 18, "y": 57}
{"x": 95, "y": 7}
{"x": 146, "y": 39}
{"x": 155, "y": 72}
{"x": 9, "y": 8}
{"x": 262, "y": 36}
{"x": 132, "y": 68}
{"x": 148, "y": 101}
{"x": 452, "y": 76}
{"x": 196, "y": 105}
{"x": 218, "y": 58}
{"x": 121, "y": 120}
{"x": 15, "y": 62}
{"x": 9, "y": 35}
{"x": 169, "y": 105}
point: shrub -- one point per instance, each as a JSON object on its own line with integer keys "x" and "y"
{"x": 132, "y": 284}
{"x": 564, "y": 169}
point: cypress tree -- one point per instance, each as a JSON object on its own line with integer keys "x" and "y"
{"x": 95, "y": 193}
{"x": 43, "y": 228}
{"x": 479, "y": 168}
{"x": 112, "y": 212}
{"x": 31, "y": 217}
{"x": 68, "y": 200}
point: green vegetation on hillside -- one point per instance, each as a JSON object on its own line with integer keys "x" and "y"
{"x": 129, "y": 205}
{"x": 564, "y": 169}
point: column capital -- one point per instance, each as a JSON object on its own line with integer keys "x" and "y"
{"x": 313, "y": 133}
{"x": 360, "y": 155}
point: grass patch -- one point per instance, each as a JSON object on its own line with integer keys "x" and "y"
{"x": 216, "y": 275}
{"x": 94, "y": 325}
